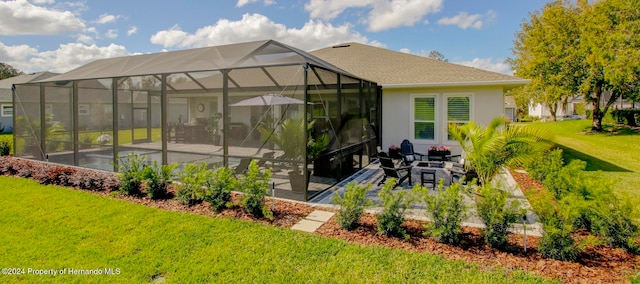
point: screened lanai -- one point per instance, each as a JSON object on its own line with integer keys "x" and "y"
{"x": 309, "y": 121}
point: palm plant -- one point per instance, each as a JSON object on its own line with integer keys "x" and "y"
{"x": 490, "y": 149}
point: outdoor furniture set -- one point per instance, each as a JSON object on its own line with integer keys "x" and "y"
{"x": 439, "y": 165}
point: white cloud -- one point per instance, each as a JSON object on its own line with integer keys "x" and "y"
{"x": 106, "y": 18}
{"x": 21, "y": 18}
{"x": 245, "y": 2}
{"x": 314, "y": 34}
{"x": 43, "y": 1}
{"x": 111, "y": 34}
{"x": 86, "y": 39}
{"x": 132, "y": 30}
{"x": 386, "y": 15}
{"x": 167, "y": 38}
{"x": 65, "y": 58}
{"x": 383, "y": 14}
{"x": 489, "y": 64}
{"x": 329, "y": 9}
{"x": 463, "y": 20}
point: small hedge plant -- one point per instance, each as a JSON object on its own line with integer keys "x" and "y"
{"x": 497, "y": 214}
{"x": 193, "y": 178}
{"x": 596, "y": 207}
{"x": 219, "y": 188}
{"x": 447, "y": 210}
{"x": 557, "y": 222}
{"x": 352, "y": 205}
{"x": 5, "y": 145}
{"x": 394, "y": 206}
{"x": 131, "y": 173}
{"x": 158, "y": 177}
{"x": 255, "y": 185}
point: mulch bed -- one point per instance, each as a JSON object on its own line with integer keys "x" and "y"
{"x": 599, "y": 264}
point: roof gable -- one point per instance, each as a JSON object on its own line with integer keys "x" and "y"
{"x": 393, "y": 68}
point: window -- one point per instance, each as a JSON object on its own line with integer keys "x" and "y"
{"x": 458, "y": 110}
{"x": 83, "y": 109}
{"x": 424, "y": 118}
{"x": 7, "y": 110}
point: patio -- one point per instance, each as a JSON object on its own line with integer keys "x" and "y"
{"x": 372, "y": 174}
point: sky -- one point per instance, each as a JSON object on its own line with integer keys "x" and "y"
{"x": 57, "y": 36}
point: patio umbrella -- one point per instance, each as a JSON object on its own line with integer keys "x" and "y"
{"x": 269, "y": 100}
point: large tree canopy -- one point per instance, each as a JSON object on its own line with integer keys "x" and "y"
{"x": 583, "y": 48}
{"x": 7, "y": 71}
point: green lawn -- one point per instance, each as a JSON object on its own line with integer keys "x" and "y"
{"x": 49, "y": 227}
{"x": 612, "y": 155}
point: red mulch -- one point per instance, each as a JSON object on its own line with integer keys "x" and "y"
{"x": 600, "y": 264}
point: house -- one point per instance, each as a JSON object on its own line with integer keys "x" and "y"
{"x": 206, "y": 105}
{"x": 6, "y": 99}
{"x": 422, "y": 96}
{"x": 510, "y": 108}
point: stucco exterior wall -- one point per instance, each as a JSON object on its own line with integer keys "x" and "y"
{"x": 486, "y": 104}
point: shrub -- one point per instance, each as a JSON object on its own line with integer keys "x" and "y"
{"x": 615, "y": 224}
{"x": 497, "y": 215}
{"x": 394, "y": 205}
{"x": 193, "y": 179}
{"x": 47, "y": 173}
{"x": 5, "y": 145}
{"x": 219, "y": 188}
{"x": 352, "y": 205}
{"x": 446, "y": 210}
{"x": 130, "y": 173}
{"x": 256, "y": 186}
{"x": 557, "y": 221}
{"x": 547, "y": 163}
{"x": 158, "y": 177}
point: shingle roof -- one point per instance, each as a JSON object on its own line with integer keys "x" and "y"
{"x": 5, "y": 85}
{"x": 397, "y": 69}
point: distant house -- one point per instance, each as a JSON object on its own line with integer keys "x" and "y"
{"x": 6, "y": 97}
{"x": 422, "y": 96}
{"x": 510, "y": 107}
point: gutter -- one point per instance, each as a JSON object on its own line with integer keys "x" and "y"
{"x": 510, "y": 83}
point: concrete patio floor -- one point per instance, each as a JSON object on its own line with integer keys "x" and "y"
{"x": 372, "y": 174}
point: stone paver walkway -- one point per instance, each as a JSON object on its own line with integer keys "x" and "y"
{"x": 313, "y": 221}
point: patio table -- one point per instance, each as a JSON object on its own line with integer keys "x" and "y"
{"x": 441, "y": 172}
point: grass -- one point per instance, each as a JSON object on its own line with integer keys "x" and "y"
{"x": 611, "y": 155}
{"x": 49, "y": 227}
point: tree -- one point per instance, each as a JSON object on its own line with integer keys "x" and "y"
{"x": 546, "y": 52}
{"x": 586, "y": 48}
{"x": 7, "y": 71}
{"x": 523, "y": 97}
{"x": 490, "y": 149}
{"x": 612, "y": 48}
{"x": 434, "y": 54}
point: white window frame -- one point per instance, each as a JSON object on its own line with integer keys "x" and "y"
{"x": 4, "y": 112}
{"x": 84, "y": 109}
{"x": 436, "y": 117}
{"x": 445, "y": 118}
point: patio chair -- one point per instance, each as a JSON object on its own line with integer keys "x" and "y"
{"x": 400, "y": 173}
{"x": 263, "y": 161}
{"x": 407, "y": 153}
{"x": 179, "y": 133}
{"x": 243, "y": 166}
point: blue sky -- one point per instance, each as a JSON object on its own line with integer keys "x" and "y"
{"x": 55, "y": 35}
